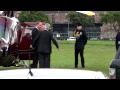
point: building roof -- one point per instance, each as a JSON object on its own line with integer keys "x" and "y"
{"x": 31, "y": 23}
{"x": 56, "y": 11}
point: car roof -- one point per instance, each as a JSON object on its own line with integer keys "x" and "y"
{"x": 51, "y": 74}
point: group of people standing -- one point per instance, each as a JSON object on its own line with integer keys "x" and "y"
{"x": 41, "y": 42}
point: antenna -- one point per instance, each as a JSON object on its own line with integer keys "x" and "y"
{"x": 30, "y": 72}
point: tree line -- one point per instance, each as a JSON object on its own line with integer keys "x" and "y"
{"x": 111, "y": 17}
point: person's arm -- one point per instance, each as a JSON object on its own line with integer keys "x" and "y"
{"x": 85, "y": 38}
{"x": 35, "y": 35}
{"x": 112, "y": 73}
{"x": 33, "y": 31}
{"x": 74, "y": 33}
{"x": 116, "y": 42}
{"x": 54, "y": 41}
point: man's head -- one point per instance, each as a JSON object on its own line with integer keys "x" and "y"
{"x": 43, "y": 27}
{"x": 48, "y": 26}
{"x": 79, "y": 26}
{"x": 39, "y": 25}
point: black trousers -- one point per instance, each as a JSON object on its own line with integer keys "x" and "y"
{"x": 81, "y": 51}
{"x": 35, "y": 60}
{"x": 44, "y": 60}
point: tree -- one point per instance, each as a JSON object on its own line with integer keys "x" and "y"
{"x": 76, "y": 17}
{"x": 111, "y": 17}
{"x": 33, "y": 16}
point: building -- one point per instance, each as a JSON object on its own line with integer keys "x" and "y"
{"x": 61, "y": 25}
{"x": 107, "y": 31}
{"x": 57, "y": 16}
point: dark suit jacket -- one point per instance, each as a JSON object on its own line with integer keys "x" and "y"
{"x": 44, "y": 42}
{"x": 35, "y": 32}
{"x": 116, "y": 64}
{"x": 81, "y": 41}
{"x": 117, "y": 40}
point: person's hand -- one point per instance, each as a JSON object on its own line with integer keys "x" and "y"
{"x": 58, "y": 51}
{"x": 31, "y": 47}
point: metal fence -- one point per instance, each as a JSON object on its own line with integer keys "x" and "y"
{"x": 91, "y": 35}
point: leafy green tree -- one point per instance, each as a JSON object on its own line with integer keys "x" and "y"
{"x": 76, "y": 17}
{"x": 111, "y": 17}
{"x": 33, "y": 16}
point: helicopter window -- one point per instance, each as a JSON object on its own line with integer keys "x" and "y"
{"x": 6, "y": 36}
{"x": 1, "y": 30}
{"x": 28, "y": 32}
{"x": 14, "y": 33}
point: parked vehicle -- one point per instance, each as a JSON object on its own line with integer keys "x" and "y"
{"x": 94, "y": 38}
{"x": 52, "y": 74}
{"x": 71, "y": 38}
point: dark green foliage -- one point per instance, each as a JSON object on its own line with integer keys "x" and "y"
{"x": 33, "y": 16}
{"x": 76, "y": 17}
{"x": 111, "y": 17}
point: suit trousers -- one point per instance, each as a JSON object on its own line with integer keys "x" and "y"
{"x": 81, "y": 51}
{"x": 35, "y": 60}
{"x": 44, "y": 60}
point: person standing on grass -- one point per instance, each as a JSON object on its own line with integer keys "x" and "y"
{"x": 81, "y": 41}
{"x": 44, "y": 48}
{"x": 35, "y": 31}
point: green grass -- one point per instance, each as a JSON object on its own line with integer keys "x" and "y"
{"x": 98, "y": 55}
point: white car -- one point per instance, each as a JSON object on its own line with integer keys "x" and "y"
{"x": 71, "y": 38}
{"x": 51, "y": 74}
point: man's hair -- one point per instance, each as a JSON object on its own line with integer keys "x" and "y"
{"x": 43, "y": 23}
{"x": 45, "y": 26}
{"x": 48, "y": 26}
{"x": 79, "y": 24}
{"x": 37, "y": 23}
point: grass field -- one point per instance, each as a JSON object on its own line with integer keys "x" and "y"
{"x": 98, "y": 55}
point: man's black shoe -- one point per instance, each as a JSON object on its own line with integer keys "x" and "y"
{"x": 76, "y": 66}
{"x": 83, "y": 67}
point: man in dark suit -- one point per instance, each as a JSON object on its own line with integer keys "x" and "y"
{"x": 35, "y": 31}
{"x": 44, "y": 48}
{"x": 114, "y": 69}
{"x": 117, "y": 41}
{"x": 81, "y": 40}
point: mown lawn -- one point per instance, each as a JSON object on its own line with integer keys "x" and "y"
{"x": 98, "y": 55}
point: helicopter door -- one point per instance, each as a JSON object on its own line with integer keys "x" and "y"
{"x": 25, "y": 51}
